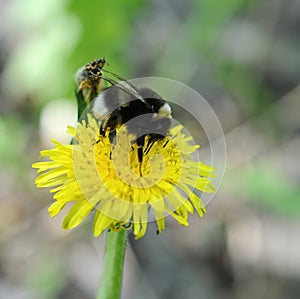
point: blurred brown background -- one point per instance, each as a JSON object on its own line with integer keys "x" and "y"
{"x": 243, "y": 57}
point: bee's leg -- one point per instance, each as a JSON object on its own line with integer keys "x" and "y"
{"x": 148, "y": 147}
{"x": 140, "y": 143}
{"x": 166, "y": 143}
{"x": 104, "y": 127}
{"x": 102, "y": 130}
{"x": 112, "y": 139}
{"x": 150, "y": 143}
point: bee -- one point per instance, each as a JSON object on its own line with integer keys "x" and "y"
{"x": 142, "y": 110}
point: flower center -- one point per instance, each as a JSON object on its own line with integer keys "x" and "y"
{"x": 124, "y": 167}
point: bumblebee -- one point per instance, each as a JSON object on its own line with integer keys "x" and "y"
{"x": 142, "y": 110}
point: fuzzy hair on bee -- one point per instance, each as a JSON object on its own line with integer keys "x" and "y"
{"x": 142, "y": 110}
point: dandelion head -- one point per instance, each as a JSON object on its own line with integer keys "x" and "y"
{"x": 109, "y": 180}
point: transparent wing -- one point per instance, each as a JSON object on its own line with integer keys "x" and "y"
{"x": 122, "y": 84}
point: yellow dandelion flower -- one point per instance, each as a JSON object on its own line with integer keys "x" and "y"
{"x": 96, "y": 175}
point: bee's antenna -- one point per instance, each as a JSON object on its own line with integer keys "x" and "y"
{"x": 120, "y": 78}
{"x": 133, "y": 90}
{"x": 120, "y": 85}
{"x": 116, "y": 84}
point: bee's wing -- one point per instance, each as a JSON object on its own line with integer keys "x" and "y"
{"x": 122, "y": 79}
{"x": 123, "y": 85}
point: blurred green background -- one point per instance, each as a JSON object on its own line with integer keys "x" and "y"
{"x": 243, "y": 57}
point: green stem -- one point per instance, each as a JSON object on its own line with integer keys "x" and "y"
{"x": 111, "y": 281}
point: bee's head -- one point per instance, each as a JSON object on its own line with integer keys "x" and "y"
{"x": 94, "y": 68}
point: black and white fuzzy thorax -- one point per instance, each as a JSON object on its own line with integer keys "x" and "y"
{"x": 144, "y": 112}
